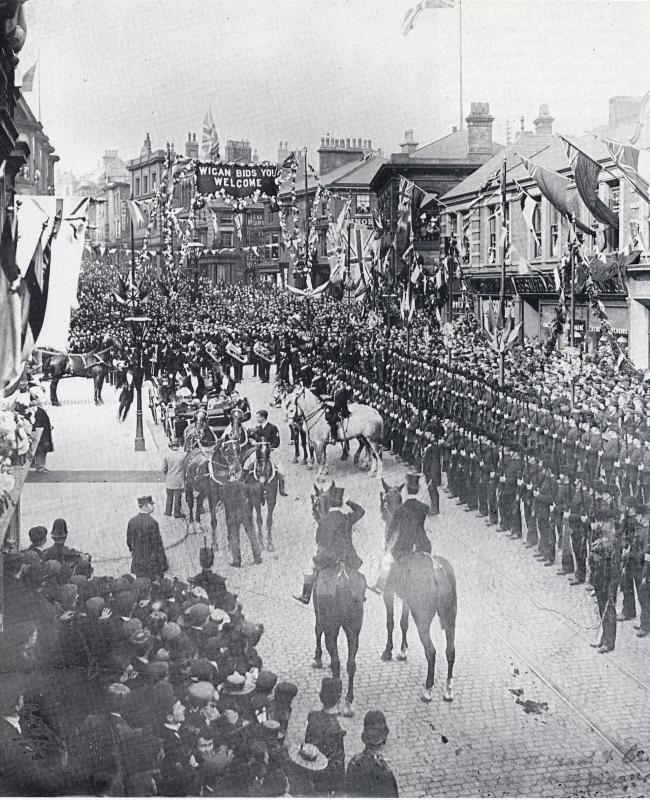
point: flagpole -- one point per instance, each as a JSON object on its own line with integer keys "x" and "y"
{"x": 460, "y": 54}
{"x": 502, "y": 299}
{"x": 307, "y": 254}
{"x": 139, "y": 444}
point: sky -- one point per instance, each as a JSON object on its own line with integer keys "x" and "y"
{"x": 297, "y": 70}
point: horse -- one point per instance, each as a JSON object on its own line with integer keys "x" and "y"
{"x": 205, "y": 471}
{"x": 261, "y": 479}
{"x": 299, "y": 438}
{"x": 364, "y": 424}
{"x": 426, "y": 585}
{"x": 80, "y": 365}
{"x": 338, "y": 599}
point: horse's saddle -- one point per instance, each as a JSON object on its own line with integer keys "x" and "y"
{"x": 330, "y": 579}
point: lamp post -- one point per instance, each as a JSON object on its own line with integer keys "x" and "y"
{"x": 193, "y": 249}
{"x": 139, "y": 326}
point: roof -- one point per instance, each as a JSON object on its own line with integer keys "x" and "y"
{"x": 452, "y": 147}
{"x": 547, "y": 151}
{"x": 354, "y": 173}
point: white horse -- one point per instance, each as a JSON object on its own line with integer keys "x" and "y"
{"x": 364, "y": 424}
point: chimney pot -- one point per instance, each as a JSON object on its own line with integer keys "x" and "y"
{"x": 544, "y": 122}
{"x": 479, "y": 131}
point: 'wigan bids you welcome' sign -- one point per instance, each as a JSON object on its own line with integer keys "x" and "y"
{"x": 236, "y": 180}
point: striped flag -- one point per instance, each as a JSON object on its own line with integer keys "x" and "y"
{"x": 210, "y": 140}
{"x": 634, "y": 163}
{"x": 413, "y": 13}
{"x": 137, "y": 217}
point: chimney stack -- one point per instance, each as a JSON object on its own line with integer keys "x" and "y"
{"x": 479, "y": 132}
{"x": 544, "y": 122}
{"x": 409, "y": 145}
{"x": 191, "y": 146}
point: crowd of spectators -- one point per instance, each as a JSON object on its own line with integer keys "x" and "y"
{"x": 124, "y": 686}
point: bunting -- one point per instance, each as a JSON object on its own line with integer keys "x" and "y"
{"x": 586, "y": 172}
{"x": 634, "y": 163}
{"x": 554, "y": 188}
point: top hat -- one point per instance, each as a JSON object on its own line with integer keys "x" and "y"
{"x": 336, "y": 495}
{"x": 413, "y": 482}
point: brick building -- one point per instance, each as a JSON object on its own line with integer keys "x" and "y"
{"x": 435, "y": 168}
{"x": 37, "y": 175}
{"x": 530, "y": 287}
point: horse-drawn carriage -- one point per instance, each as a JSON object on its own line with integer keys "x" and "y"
{"x": 175, "y": 411}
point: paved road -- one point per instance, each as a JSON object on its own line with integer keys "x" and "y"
{"x": 537, "y": 711}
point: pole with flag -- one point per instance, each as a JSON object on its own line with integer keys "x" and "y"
{"x": 308, "y": 277}
{"x": 139, "y": 428}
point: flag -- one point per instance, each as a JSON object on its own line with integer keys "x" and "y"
{"x": 10, "y": 307}
{"x": 210, "y": 140}
{"x": 634, "y": 163}
{"x": 586, "y": 172}
{"x": 554, "y": 188}
{"x": 215, "y": 223}
{"x": 415, "y": 275}
{"x": 413, "y": 13}
{"x": 238, "y": 219}
{"x": 528, "y": 205}
{"x": 137, "y": 217}
{"x": 28, "y": 79}
{"x": 66, "y": 250}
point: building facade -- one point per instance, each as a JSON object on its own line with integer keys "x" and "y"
{"x": 37, "y": 175}
{"x": 434, "y": 168}
{"x": 535, "y": 254}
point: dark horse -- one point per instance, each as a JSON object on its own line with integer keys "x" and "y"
{"x": 338, "y": 603}
{"x": 427, "y": 586}
{"x": 261, "y": 479}
{"x": 93, "y": 365}
{"x": 206, "y": 469}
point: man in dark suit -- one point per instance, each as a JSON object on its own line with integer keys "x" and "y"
{"x": 194, "y": 382}
{"x": 268, "y": 431}
{"x": 126, "y": 395}
{"x": 145, "y": 543}
{"x": 405, "y": 534}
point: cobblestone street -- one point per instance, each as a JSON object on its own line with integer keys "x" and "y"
{"x": 536, "y": 711}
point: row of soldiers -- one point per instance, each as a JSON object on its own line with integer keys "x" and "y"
{"x": 580, "y": 481}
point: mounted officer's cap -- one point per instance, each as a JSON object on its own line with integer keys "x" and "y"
{"x": 413, "y": 482}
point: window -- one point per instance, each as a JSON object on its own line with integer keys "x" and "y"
{"x": 555, "y": 232}
{"x": 225, "y": 219}
{"x": 363, "y": 203}
{"x": 153, "y": 181}
{"x": 273, "y": 245}
{"x": 614, "y": 196}
{"x": 476, "y": 239}
{"x": 137, "y": 187}
{"x": 145, "y": 181}
{"x": 322, "y": 240}
{"x": 225, "y": 239}
{"x": 537, "y": 230}
{"x": 492, "y": 234}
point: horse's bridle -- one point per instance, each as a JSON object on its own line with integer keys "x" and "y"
{"x": 307, "y": 418}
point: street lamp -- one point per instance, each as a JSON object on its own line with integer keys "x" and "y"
{"x": 139, "y": 326}
{"x": 193, "y": 249}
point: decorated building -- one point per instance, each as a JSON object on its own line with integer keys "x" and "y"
{"x": 37, "y": 175}
{"x": 434, "y": 169}
{"x": 346, "y": 168}
{"x": 538, "y": 232}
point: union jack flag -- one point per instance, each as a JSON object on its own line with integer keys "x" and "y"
{"x": 634, "y": 163}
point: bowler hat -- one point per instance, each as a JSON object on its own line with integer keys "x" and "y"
{"x": 286, "y": 690}
{"x": 195, "y": 616}
{"x": 375, "y": 729}
{"x": 266, "y": 680}
{"x": 147, "y": 498}
{"x": 38, "y": 535}
{"x": 330, "y": 691}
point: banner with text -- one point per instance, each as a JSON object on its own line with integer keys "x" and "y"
{"x": 236, "y": 180}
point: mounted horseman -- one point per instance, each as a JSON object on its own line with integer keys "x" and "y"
{"x": 95, "y": 365}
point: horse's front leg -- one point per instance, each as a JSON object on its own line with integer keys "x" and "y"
{"x": 270, "y": 508}
{"x": 404, "y": 625}
{"x": 353, "y": 646}
{"x": 54, "y": 400}
{"x": 389, "y": 600}
{"x": 189, "y": 499}
{"x": 317, "y": 663}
